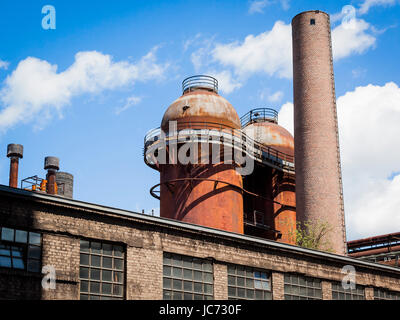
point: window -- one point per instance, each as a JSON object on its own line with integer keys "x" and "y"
{"x": 312, "y": 21}
{"x": 101, "y": 271}
{"x": 298, "y": 287}
{"x": 187, "y": 278}
{"x": 248, "y": 283}
{"x": 383, "y": 294}
{"x": 20, "y": 249}
{"x": 339, "y": 293}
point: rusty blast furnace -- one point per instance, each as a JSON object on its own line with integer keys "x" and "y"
{"x": 212, "y": 193}
{"x": 208, "y": 194}
{"x": 319, "y": 194}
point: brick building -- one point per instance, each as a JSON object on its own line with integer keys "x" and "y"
{"x": 107, "y": 253}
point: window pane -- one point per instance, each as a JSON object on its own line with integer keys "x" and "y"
{"x": 177, "y": 295}
{"x": 250, "y": 294}
{"x": 34, "y": 252}
{"x": 231, "y": 280}
{"x": 167, "y": 283}
{"x": 187, "y": 296}
{"x": 197, "y": 264}
{"x": 231, "y": 270}
{"x": 231, "y": 291}
{"x": 107, "y": 249}
{"x": 84, "y": 273}
{"x": 188, "y": 286}
{"x": 187, "y": 274}
{"x": 33, "y": 265}
{"x": 84, "y": 286}
{"x": 208, "y": 277}
{"x": 106, "y": 275}
{"x": 85, "y": 259}
{"x": 95, "y": 274}
{"x": 118, "y": 264}
{"x": 177, "y": 261}
{"x": 118, "y": 251}
{"x": 197, "y": 275}
{"x": 167, "y": 295}
{"x": 118, "y": 277}
{"x": 240, "y": 281}
{"x": 177, "y": 284}
{"x": 198, "y": 287}
{"x": 257, "y": 284}
{"x": 21, "y": 236}
{"x": 5, "y": 250}
{"x": 106, "y": 288}
{"x": 34, "y": 238}
{"x": 259, "y": 295}
{"x": 18, "y": 252}
{"x": 95, "y": 261}
{"x": 177, "y": 272}
{"x": 95, "y": 287}
{"x": 167, "y": 271}
{"x": 207, "y": 266}
{"x": 249, "y": 283}
{"x": 5, "y": 262}
{"x": 208, "y": 288}
{"x": 107, "y": 262}
{"x": 96, "y": 247}
{"x": 7, "y": 234}
{"x": 84, "y": 246}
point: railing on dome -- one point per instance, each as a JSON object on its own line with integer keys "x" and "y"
{"x": 200, "y": 81}
{"x": 259, "y": 114}
{"x": 206, "y": 130}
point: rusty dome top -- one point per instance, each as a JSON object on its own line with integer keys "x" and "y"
{"x": 200, "y": 103}
{"x": 265, "y": 129}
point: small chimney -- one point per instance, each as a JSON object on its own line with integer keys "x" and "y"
{"x": 14, "y": 152}
{"x": 52, "y": 165}
{"x": 65, "y": 184}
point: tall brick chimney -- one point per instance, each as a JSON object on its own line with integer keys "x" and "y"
{"x": 14, "y": 152}
{"x": 52, "y": 165}
{"x": 319, "y": 196}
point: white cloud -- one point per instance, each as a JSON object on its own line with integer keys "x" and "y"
{"x": 258, "y": 6}
{"x": 351, "y": 37}
{"x": 35, "y": 90}
{"x": 3, "y": 64}
{"x": 271, "y": 51}
{"x": 275, "y": 97}
{"x": 367, "y": 4}
{"x": 285, "y": 117}
{"x": 369, "y": 139}
{"x": 201, "y": 56}
{"x": 130, "y": 102}
{"x": 226, "y": 83}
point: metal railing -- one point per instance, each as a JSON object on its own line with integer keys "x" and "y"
{"x": 211, "y": 132}
{"x": 259, "y": 115}
{"x": 200, "y": 81}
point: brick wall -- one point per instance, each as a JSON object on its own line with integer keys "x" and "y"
{"x": 145, "y": 241}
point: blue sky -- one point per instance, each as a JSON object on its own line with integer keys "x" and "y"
{"x": 88, "y": 91}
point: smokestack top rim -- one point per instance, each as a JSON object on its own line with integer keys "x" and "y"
{"x": 51, "y": 163}
{"x": 15, "y": 150}
{"x": 309, "y": 11}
